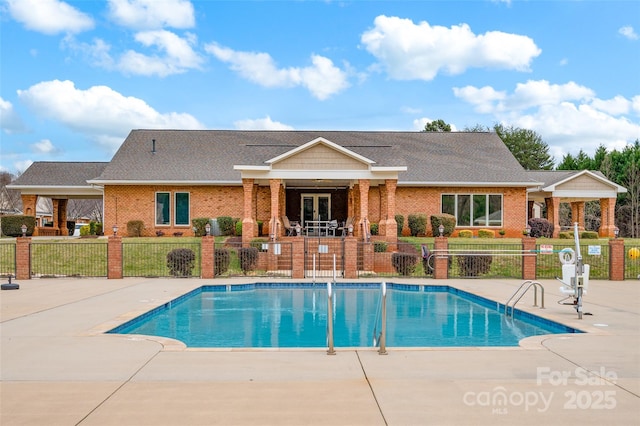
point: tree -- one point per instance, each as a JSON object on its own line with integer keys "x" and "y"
{"x": 527, "y": 146}
{"x": 10, "y": 201}
{"x": 437, "y": 126}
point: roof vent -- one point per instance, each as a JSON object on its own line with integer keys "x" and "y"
{"x": 153, "y": 146}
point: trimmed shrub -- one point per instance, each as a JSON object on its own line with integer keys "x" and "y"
{"x": 98, "y": 228}
{"x": 465, "y": 233}
{"x": 248, "y": 259}
{"x": 486, "y": 233}
{"x": 12, "y": 225}
{"x": 226, "y": 224}
{"x": 221, "y": 260}
{"x": 260, "y": 225}
{"x": 380, "y": 246}
{"x": 540, "y": 227}
{"x": 200, "y": 224}
{"x": 238, "y": 229}
{"x": 472, "y": 265}
{"x": 85, "y": 230}
{"x": 417, "y": 224}
{"x": 373, "y": 229}
{"x": 566, "y": 235}
{"x": 404, "y": 263}
{"x": 180, "y": 262}
{"x": 400, "y": 221}
{"x": 134, "y": 228}
{"x": 589, "y": 235}
{"x": 446, "y": 220}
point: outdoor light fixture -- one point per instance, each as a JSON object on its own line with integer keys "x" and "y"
{"x": 24, "y": 230}
{"x": 441, "y": 230}
{"x": 616, "y": 232}
{"x": 351, "y": 230}
{"x": 207, "y": 229}
{"x": 527, "y": 230}
{"x": 298, "y": 230}
{"x": 115, "y": 230}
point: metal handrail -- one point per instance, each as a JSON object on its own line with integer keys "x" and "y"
{"x": 526, "y": 285}
{"x": 331, "y": 350}
{"x": 381, "y": 316}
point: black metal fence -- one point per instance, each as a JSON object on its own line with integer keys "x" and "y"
{"x": 548, "y": 264}
{"x": 323, "y": 257}
{"x": 381, "y": 259}
{"x": 632, "y": 262}
{"x": 161, "y": 259}
{"x": 68, "y": 259}
{"x": 7, "y": 259}
{"x": 256, "y": 259}
{"x": 476, "y": 260}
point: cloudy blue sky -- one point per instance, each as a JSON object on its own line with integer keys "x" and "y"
{"x": 77, "y": 76}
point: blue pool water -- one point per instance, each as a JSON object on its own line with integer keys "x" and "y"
{"x": 270, "y": 316}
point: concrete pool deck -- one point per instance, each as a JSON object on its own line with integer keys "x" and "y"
{"x": 58, "y": 368}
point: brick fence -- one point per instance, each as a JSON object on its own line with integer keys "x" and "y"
{"x": 441, "y": 260}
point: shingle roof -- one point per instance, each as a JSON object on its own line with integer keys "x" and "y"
{"x": 48, "y": 173}
{"x": 209, "y": 155}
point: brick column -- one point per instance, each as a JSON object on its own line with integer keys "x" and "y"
{"x": 275, "y": 224}
{"x": 361, "y": 225}
{"x": 297, "y": 248}
{"x": 441, "y": 260}
{"x": 616, "y": 260}
{"x": 553, "y": 214}
{"x": 207, "y": 245}
{"x": 350, "y": 257}
{"x": 367, "y": 257}
{"x": 529, "y": 260}
{"x": 114, "y": 257}
{"x": 249, "y": 224}
{"x": 29, "y": 203}
{"x": 607, "y": 217}
{"x": 23, "y": 258}
{"x": 577, "y": 214}
{"x": 388, "y": 226}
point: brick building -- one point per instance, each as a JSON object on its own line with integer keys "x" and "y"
{"x": 166, "y": 178}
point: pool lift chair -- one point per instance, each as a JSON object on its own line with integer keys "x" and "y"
{"x": 575, "y": 275}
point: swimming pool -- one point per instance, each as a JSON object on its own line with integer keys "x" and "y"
{"x": 267, "y": 315}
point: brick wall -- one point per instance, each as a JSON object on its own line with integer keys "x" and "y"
{"x": 413, "y": 200}
{"x": 137, "y": 202}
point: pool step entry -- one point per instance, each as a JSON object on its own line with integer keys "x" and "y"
{"x": 521, "y": 291}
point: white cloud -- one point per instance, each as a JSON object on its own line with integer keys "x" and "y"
{"x": 569, "y": 117}
{"x": 628, "y": 32}
{"x": 44, "y": 146}
{"x": 178, "y": 57}
{"x": 152, "y": 14}
{"x": 323, "y": 79}
{"x": 409, "y": 51}
{"x": 49, "y": 16}
{"x": 483, "y": 98}
{"x": 10, "y": 121}
{"x": 102, "y": 114}
{"x": 261, "y": 124}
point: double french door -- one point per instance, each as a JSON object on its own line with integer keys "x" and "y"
{"x": 315, "y": 207}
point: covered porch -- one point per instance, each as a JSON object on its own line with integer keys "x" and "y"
{"x": 321, "y": 187}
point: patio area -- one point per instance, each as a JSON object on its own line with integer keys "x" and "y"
{"x": 58, "y": 368}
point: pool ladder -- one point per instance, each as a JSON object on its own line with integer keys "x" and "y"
{"x": 521, "y": 291}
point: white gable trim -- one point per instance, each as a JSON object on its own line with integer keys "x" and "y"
{"x": 323, "y": 141}
{"x": 613, "y": 185}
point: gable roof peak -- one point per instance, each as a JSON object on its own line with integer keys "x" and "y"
{"x": 321, "y": 141}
